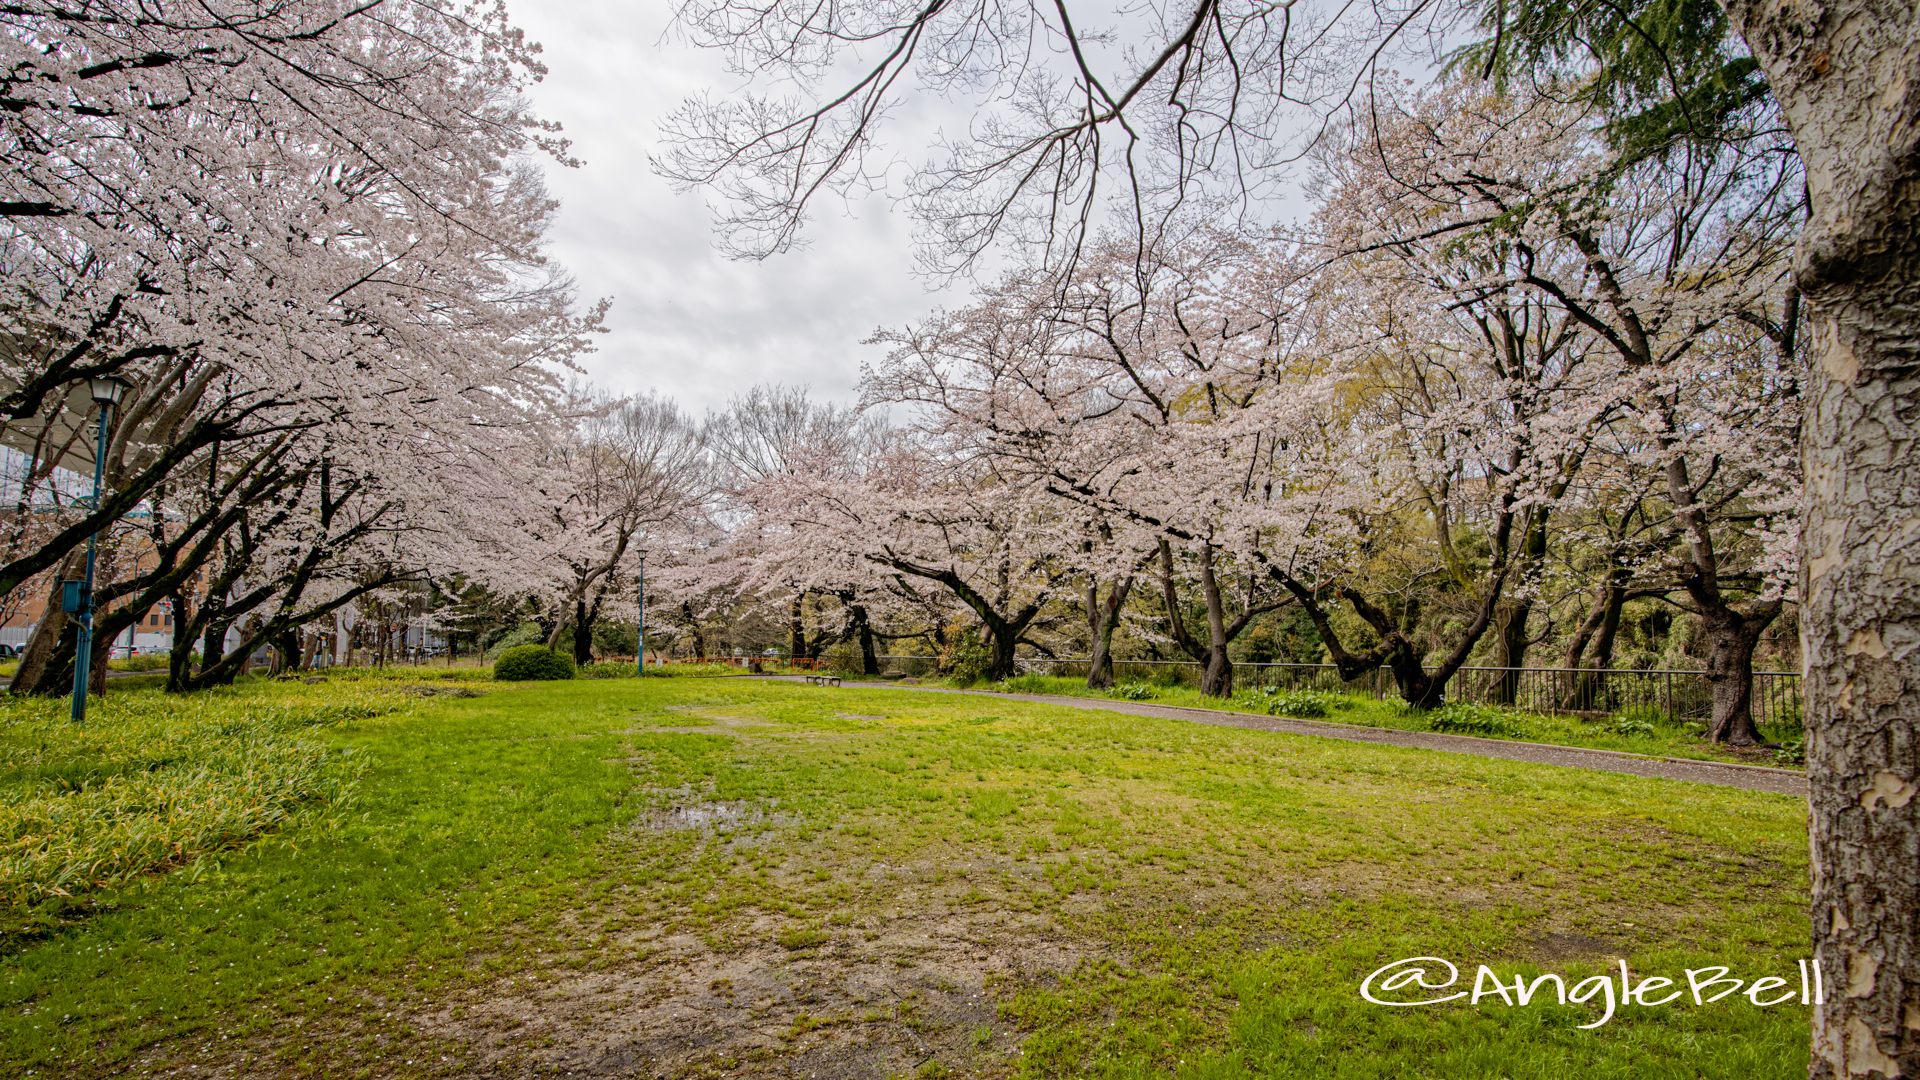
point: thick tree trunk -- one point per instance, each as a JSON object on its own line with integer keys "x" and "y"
{"x": 286, "y": 652}
{"x": 212, "y": 644}
{"x": 693, "y": 627}
{"x": 582, "y": 634}
{"x": 1102, "y": 618}
{"x": 1847, "y": 76}
{"x": 1216, "y": 679}
{"x": 1510, "y": 649}
{"x": 1419, "y": 689}
{"x": 1005, "y": 637}
{"x": 45, "y": 642}
{"x": 796, "y": 629}
{"x": 869, "y": 656}
{"x": 97, "y": 671}
{"x": 180, "y": 656}
{"x": 54, "y": 675}
{"x": 1730, "y": 643}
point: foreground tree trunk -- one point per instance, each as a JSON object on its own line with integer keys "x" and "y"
{"x": 1847, "y": 76}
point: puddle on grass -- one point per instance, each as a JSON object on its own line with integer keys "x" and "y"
{"x": 740, "y": 819}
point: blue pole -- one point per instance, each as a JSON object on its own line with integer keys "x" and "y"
{"x": 640, "y": 625}
{"x": 83, "y": 647}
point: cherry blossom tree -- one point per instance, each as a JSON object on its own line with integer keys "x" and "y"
{"x": 267, "y": 218}
{"x": 625, "y": 470}
{"x": 1647, "y": 307}
{"x": 765, "y": 438}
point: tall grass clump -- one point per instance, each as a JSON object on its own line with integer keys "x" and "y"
{"x": 152, "y": 781}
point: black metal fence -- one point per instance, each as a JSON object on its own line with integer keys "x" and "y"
{"x": 1678, "y": 695}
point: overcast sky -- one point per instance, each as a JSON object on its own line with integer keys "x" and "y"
{"x": 685, "y": 320}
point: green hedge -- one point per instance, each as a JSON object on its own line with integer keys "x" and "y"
{"x": 525, "y": 662}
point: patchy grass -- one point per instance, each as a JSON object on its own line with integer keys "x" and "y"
{"x": 690, "y": 877}
{"x": 1635, "y": 733}
{"x": 150, "y": 781}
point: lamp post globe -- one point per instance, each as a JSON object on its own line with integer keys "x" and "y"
{"x": 107, "y": 389}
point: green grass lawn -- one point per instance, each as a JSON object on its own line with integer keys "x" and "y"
{"x": 1648, "y": 734}
{"x": 705, "y": 877}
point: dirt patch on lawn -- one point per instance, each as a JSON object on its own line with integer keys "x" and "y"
{"x": 890, "y": 999}
{"x": 865, "y": 1004}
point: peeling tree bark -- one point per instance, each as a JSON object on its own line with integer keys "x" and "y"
{"x": 1847, "y": 76}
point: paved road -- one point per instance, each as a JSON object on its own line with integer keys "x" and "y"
{"x": 1724, "y": 774}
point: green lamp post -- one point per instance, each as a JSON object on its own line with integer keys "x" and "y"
{"x": 107, "y": 392}
{"x": 640, "y": 619}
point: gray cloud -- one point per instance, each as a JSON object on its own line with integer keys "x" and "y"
{"x": 685, "y": 320}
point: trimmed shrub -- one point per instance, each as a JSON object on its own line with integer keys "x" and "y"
{"x": 528, "y": 662}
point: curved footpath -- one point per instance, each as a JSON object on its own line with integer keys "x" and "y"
{"x": 1724, "y": 774}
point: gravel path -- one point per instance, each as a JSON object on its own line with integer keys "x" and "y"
{"x": 1724, "y": 774}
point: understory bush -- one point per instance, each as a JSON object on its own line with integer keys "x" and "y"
{"x": 1300, "y": 704}
{"x": 1132, "y": 691}
{"x": 151, "y": 780}
{"x": 1473, "y": 718}
{"x": 967, "y": 658}
{"x": 523, "y": 663}
{"x": 1631, "y": 725}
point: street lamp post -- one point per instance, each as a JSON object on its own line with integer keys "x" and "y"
{"x": 640, "y": 620}
{"x": 107, "y": 392}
